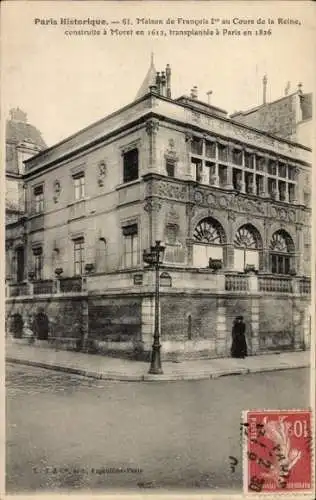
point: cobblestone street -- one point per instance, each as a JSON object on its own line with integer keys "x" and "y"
{"x": 66, "y": 432}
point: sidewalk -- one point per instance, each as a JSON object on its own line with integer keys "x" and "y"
{"x": 108, "y": 368}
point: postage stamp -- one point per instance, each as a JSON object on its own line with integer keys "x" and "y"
{"x": 277, "y": 451}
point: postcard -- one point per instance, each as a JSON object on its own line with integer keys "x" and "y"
{"x": 158, "y": 299}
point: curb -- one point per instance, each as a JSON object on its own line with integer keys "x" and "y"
{"x": 120, "y": 377}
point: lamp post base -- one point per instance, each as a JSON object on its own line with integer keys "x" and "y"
{"x": 155, "y": 365}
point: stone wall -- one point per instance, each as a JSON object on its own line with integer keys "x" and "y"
{"x": 65, "y": 319}
{"x": 188, "y": 318}
{"x": 115, "y": 325}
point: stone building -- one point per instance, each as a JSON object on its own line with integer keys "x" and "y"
{"x": 227, "y": 200}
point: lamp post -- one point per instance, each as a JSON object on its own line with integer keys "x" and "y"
{"x": 154, "y": 257}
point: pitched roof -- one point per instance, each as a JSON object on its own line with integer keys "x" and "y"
{"x": 150, "y": 79}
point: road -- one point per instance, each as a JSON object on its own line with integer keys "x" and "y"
{"x": 65, "y": 432}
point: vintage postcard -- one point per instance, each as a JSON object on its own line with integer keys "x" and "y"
{"x": 158, "y": 299}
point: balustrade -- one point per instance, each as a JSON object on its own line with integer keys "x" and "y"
{"x": 305, "y": 286}
{"x": 275, "y": 284}
{"x": 43, "y": 287}
{"x": 69, "y": 285}
{"x": 236, "y": 283}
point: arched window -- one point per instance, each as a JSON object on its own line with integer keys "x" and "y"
{"x": 208, "y": 238}
{"x": 247, "y": 244}
{"x": 281, "y": 253}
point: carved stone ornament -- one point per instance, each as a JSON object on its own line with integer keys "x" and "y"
{"x": 102, "y": 169}
{"x": 152, "y": 205}
{"x": 152, "y": 126}
{"x": 198, "y": 197}
{"x": 172, "y": 190}
{"x": 57, "y": 190}
{"x": 172, "y": 216}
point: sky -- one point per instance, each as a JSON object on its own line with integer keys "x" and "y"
{"x": 65, "y": 83}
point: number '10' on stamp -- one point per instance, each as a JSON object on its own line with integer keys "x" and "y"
{"x": 277, "y": 451}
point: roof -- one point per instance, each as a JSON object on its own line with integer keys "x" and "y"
{"x": 18, "y": 131}
{"x": 149, "y": 80}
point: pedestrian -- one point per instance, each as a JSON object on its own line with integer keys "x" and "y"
{"x": 239, "y": 344}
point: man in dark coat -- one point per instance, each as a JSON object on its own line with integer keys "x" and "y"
{"x": 239, "y": 345}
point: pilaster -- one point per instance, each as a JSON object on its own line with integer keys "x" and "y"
{"x": 152, "y": 127}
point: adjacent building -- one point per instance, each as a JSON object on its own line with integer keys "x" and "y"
{"x": 229, "y": 198}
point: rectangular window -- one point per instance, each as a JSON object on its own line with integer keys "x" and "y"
{"x": 38, "y": 263}
{"x": 249, "y": 183}
{"x": 237, "y": 178}
{"x": 249, "y": 160}
{"x": 78, "y": 256}
{"x": 259, "y": 185}
{"x": 210, "y": 149}
{"x": 222, "y": 175}
{"x": 260, "y": 163}
{"x": 292, "y": 173}
{"x": 212, "y": 172}
{"x": 292, "y": 194}
{"x": 197, "y": 146}
{"x": 237, "y": 156}
{"x": 79, "y": 186}
{"x": 282, "y": 191}
{"x": 222, "y": 152}
{"x": 197, "y": 166}
{"x": 272, "y": 188}
{"x": 280, "y": 264}
{"x": 170, "y": 167}
{"x": 39, "y": 199}
{"x": 130, "y": 165}
{"x": 272, "y": 167}
{"x": 130, "y": 245}
{"x": 282, "y": 170}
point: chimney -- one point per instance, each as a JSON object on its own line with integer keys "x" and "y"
{"x": 194, "y": 92}
{"x": 287, "y": 88}
{"x": 209, "y": 93}
{"x": 299, "y": 88}
{"x": 158, "y": 82}
{"x": 265, "y": 81}
{"x": 168, "y": 77}
{"x": 163, "y": 81}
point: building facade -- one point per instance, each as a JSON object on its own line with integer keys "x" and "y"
{"x": 228, "y": 200}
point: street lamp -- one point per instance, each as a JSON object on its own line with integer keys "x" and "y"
{"x": 154, "y": 257}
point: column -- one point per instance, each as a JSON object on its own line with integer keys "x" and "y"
{"x": 152, "y": 207}
{"x": 152, "y": 127}
{"x": 277, "y": 193}
{"x": 299, "y": 250}
{"x": 229, "y": 170}
{"x": 205, "y": 170}
{"x": 243, "y": 183}
{"x": 188, "y": 142}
